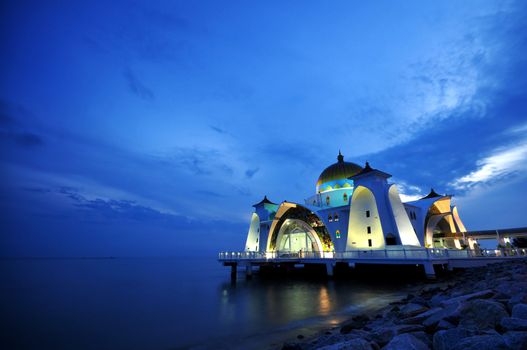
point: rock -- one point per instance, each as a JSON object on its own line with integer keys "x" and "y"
{"x": 356, "y": 322}
{"x": 412, "y": 309}
{"x": 447, "y": 339}
{"x": 406, "y": 341}
{"x": 422, "y": 316}
{"x": 424, "y": 337}
{"x": 383, "y": 335}
{"x": 520, "y": 311}
{"x": 443, "y": 324}
{"x": 291, "y": 346}
{"x": 437, "y": 299}
{"x": 300, "y": 336}
{"x": 481, "y": 314}
{"x": 482, "y": 342}
{"x": 516, "y": 340}
{"x": 484, "y": 294}
{"x": 517, "y": 299}
{"x": 353, "y": 344}
{"x": 450, "y": 314}
{"x": 513, "y": 324}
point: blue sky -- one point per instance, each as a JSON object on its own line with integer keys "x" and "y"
{"x": 149, "y": 128}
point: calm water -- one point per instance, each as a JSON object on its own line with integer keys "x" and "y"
{"x": 165, "y": 303}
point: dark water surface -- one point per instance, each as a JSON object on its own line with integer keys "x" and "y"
{"x": 166, "y": 303}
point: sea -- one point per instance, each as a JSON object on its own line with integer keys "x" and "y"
{"x": 169, "y": 303}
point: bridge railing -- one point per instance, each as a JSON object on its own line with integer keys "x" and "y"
{"x": 407, "y": 253}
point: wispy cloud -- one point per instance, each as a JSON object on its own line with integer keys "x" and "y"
{"x": 136, "y": 86}
{"x": 502, "y": 162}
{"x": 249, "y": 173}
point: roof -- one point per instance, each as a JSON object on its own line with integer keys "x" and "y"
{"x": 369, "y": 170}
{"x": 338, "y": 171}
{"x": 432, "y": 194}
{"x": 263, "y": 201}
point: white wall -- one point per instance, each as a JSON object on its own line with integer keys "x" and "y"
{"x": 404, "y": 226}
{"x": 363, "y": 200}
{"x": 251, "y": 245}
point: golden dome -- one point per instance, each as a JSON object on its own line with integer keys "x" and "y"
{"x": 340, "y": 170}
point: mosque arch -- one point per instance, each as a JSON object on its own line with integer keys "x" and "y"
{"x": 404, "y": 226}
{"x": 297, "y": 236}
{"x": 253, "y": 236}
{"x": 439, "y": 232}
{"x": 364, "y": 228}
{"x": 304, "y": 219}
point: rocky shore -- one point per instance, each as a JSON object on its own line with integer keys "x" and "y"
{"x": 479, "y": 308}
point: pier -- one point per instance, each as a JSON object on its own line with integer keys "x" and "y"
{"x": 429, "y": 258}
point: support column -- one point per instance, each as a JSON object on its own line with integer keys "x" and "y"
{"x": 249, "y": 271}
{"x": 233, "y": 272}
{"x": 429, "y": 270}
{"x": 329, "y": 269}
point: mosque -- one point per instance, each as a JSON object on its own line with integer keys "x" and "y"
{"x": 354, "y": 208}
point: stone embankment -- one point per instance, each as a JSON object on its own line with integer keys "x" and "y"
{"x": 479, "y": 308}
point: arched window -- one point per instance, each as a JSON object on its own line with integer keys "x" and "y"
{"x": 337, "y": 234}
{"x": 327, "y": 200}
{"x": 345, "y": 197}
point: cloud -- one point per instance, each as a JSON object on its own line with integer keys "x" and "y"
{"x": 502, "y": 162}
{"x": 218, "y": 130}
{"x": 408, "y": 192}
{"x": 136, "y": 86}
{"x": 201, "y": 161}
{"x": 249, "y": 173}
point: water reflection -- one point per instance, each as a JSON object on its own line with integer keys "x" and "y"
{"x": 263, "y": 306}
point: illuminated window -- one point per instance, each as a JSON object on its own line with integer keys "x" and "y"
{"x": 345, "y": 197}
{"x": 367, "y": 213}
{"x": 369, "y": 242}
{"x": 369, "y": 229}
{"x": 336, "y": 217}
{"x": 330, "y": 218}
{"x": 337, "y": 234}
{"x": 327, "y": 200}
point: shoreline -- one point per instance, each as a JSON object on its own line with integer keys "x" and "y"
{"x": 478, "y": 308}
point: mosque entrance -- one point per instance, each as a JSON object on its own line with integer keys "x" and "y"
{"x": 297, "y": 237}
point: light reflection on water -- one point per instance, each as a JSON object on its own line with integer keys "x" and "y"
{"x": 165, "y": 303}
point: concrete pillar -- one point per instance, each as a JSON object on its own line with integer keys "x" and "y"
{"x": 329, "y": 269}
{"x": 233, "y": 272}
{"x": 429, "y": 270}
{"x": 249, "y": 271}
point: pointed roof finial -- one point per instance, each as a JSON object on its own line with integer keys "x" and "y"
{"x": 340, "y": 157}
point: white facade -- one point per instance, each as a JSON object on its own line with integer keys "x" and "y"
{"x": 353, "y": 208}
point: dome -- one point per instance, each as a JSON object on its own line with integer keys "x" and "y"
{"x": 336, "y": 175}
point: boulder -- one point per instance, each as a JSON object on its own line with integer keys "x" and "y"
{"x": 353, "y": 344}
{"x": 356, "y": 322}
{"x": 450, "y": 314}
{"x": 482, "y": 342}
{"x": 406, "y": 341}
{"x": 520, "y": 311}
{"x": 516, "y": 340}
{"x": 520, "y": 298}
{"x": 443, "y": 324}
{"x": 438, "y": 299}
{"x": 422, "y": 316}
{"x": 514, "y": 324}
{"x": 447, "y": 339}
{"x": 484, "y": 294}
{"x": 412, "y": 309}
{"x": 291, "y": 346}
{"x": 481, "y": 314}
{"x": 424, "y": 337}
